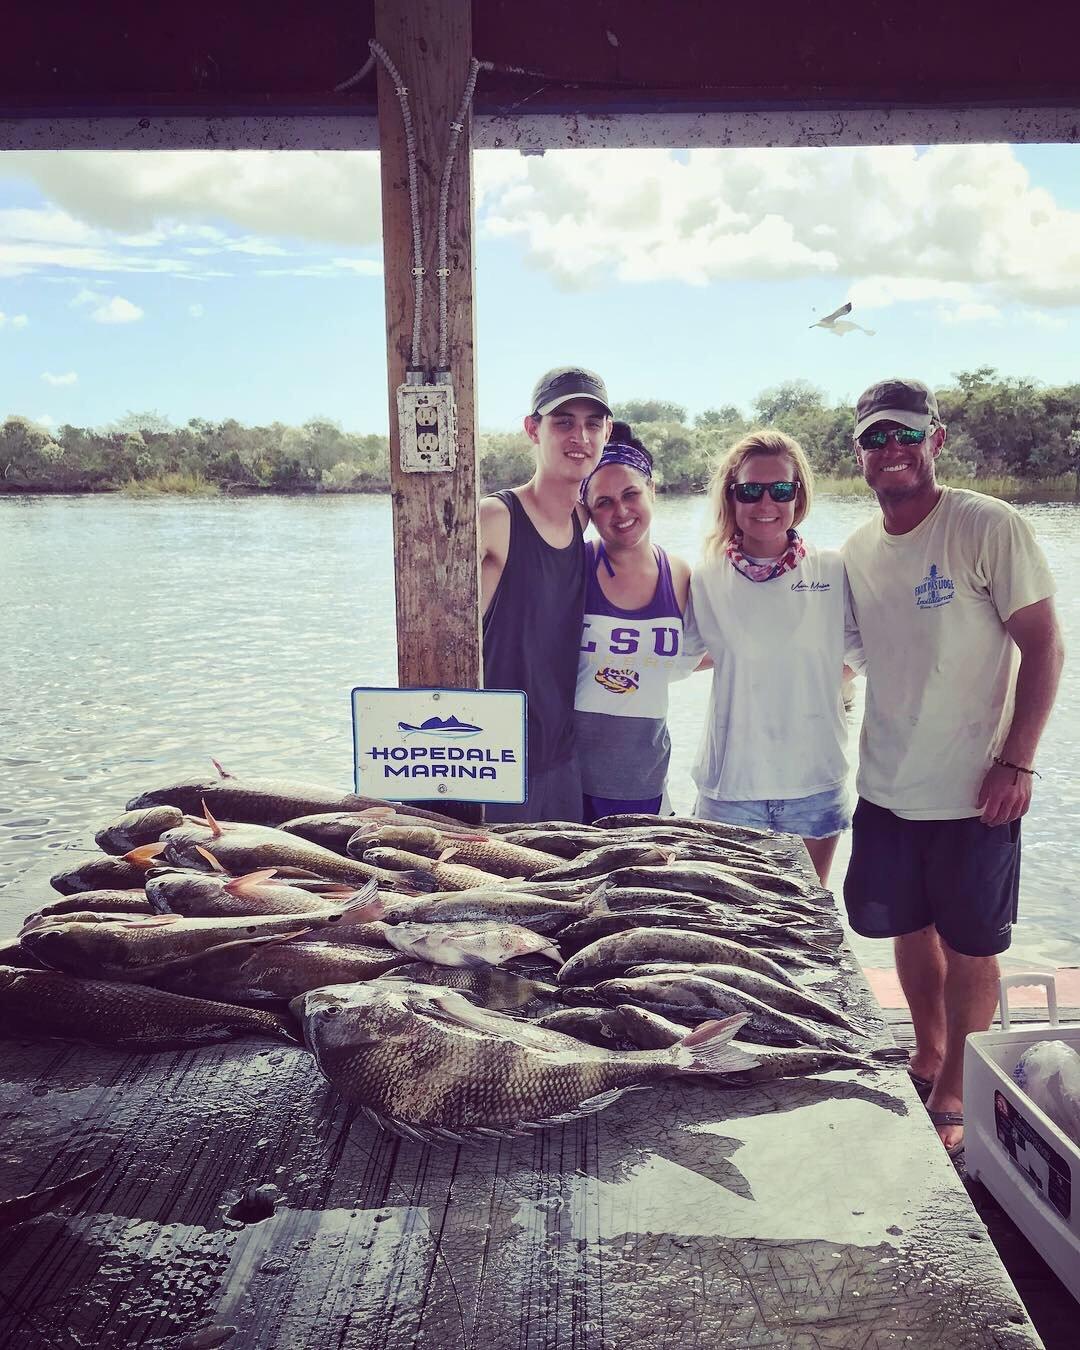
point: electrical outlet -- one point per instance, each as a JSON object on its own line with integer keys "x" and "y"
{"x": 427, "y": 423}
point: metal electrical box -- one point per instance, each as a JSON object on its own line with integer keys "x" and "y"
{"x": 427, "y": 422}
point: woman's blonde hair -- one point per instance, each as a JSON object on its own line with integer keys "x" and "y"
{"x": 761, "y": 441}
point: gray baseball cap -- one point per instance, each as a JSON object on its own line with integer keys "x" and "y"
{"x": 565, "y": 383}
{"x": 909, "y": 402}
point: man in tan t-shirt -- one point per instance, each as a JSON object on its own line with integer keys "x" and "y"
{"x": 951, "y": 598}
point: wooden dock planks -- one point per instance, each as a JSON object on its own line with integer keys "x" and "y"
{"x": 818, "y": 1212}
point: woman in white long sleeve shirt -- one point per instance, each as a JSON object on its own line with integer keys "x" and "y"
{"x": 769, "y": 608}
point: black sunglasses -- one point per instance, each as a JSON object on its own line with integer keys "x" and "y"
{"x": 877, "y": 438}
{"x": 753, "y": 492}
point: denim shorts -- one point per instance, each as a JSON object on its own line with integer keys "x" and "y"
{"x": 819, "y": 816}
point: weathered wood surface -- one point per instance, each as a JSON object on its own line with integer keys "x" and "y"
{"x": 1049, "y": 1304}
{"x": 819, "y": 1212}
{"x": 435, "y": 556}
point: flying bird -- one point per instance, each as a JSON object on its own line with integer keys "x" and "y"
{"x": 836, "y": 323}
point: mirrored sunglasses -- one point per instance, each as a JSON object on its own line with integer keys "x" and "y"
{"x": 753, "y": 492}
{"x": 877, "y": 438}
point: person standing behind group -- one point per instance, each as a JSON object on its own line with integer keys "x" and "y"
{"x": 952, "y": 598}
{"x": 532, "y": 585}
{"x": 770, "y": 610}
{"x": 632, "y": 642}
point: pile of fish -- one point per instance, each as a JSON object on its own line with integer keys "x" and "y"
{"x": 453, "y": 983}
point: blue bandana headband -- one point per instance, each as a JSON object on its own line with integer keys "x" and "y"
{"x": 616, "y": 453}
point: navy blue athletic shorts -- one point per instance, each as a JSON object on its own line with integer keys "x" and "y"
{"x": 595, "y": 808}
{"x": 959, "y": 875}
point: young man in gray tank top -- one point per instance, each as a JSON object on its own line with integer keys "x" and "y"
{"x": 532, "y": 583}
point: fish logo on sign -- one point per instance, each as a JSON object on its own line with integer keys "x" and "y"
{"x": 443, "y": 728}
{"x": 616, "y": 681}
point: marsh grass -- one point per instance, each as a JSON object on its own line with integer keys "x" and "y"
{"x": 171, "y": 484}
{"x": 1062, "y": 488}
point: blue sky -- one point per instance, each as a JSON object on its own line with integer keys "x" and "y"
{"x": 249, "y": 285}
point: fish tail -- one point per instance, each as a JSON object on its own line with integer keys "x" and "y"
{"x": 222, "y": 772}
{"x": 706, "y": 1049}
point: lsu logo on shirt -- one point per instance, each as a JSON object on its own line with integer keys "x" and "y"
{"x": 934, "y": 590}
{"x": 626, "y": 641}
{"x": 617, "y": 681}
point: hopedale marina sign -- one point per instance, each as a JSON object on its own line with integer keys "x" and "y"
{"x": 465, "y": 745}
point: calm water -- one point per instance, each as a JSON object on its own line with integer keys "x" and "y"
{"x": 142, "y": 637}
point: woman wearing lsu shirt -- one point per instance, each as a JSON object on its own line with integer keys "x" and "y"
{"x": 769, "y": 608}
{"x": 632, "y": 641}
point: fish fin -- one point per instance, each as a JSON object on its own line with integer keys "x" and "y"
{"x": 222, "y": 772}
{"x": 215, "y": 866}
{"x": 375, "y": 812}
{"x": 588, "y": 1107}
{"x": 366, "y": 904}
{"x": 215, "y": 828}
{"x": 250, "y": 882}
{"x": 298, "y": 876}
{"x": 447, "y": 854}
{"x": 708, "y": 1048}
{"x": 147, "y": 973}
{"x": 144, "y": 855}
{"x": 416, "y": 881}
{"x": 598, "y": 899}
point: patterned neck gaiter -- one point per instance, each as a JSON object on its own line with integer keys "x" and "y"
{"x": 775, "y": 567}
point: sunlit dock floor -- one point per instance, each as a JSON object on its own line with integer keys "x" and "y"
{"x": 1050, "y": 1306}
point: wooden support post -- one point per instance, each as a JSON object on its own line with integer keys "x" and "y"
{"x": 435, "y": 550}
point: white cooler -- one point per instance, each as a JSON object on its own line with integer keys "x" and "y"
{"x": 1030, "y": 1167}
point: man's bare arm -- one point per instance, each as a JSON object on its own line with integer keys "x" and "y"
{"x": 1006, "y": 793}
{"x": 494, "y": 544}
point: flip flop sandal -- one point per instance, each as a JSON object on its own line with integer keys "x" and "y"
{"x": 923, "y": 1086}
{"x": 941, "y": 1118}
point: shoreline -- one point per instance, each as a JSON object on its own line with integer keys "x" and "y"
{"x": 1007, "y": 489}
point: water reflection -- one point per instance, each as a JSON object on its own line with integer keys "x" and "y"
{"x": 142, "y": 637}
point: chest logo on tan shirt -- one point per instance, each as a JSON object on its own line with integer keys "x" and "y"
{"x": 934, "y": 590}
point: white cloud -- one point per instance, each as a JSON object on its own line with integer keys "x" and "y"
{"x": 196, "y": 311}
{"x": 970, "y": 312}
{"x": 116, "y": 310}
{"x": 364, "y": 267}
{"x": 1041, "y": 319}
{"x": 45, "y": 226}
{"x": 45, "y": 420}
{"x": 69, "y": 377}
{"x": 16, "y": 320}
{"x": 327, "y": 196}
{"x": 954, "y": 226}
{"x": 957, "y": 224}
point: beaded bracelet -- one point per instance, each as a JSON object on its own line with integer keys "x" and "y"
{"x": 1006, "y": 764}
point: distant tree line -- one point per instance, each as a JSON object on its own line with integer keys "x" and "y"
{"x": 998, "y": 426}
